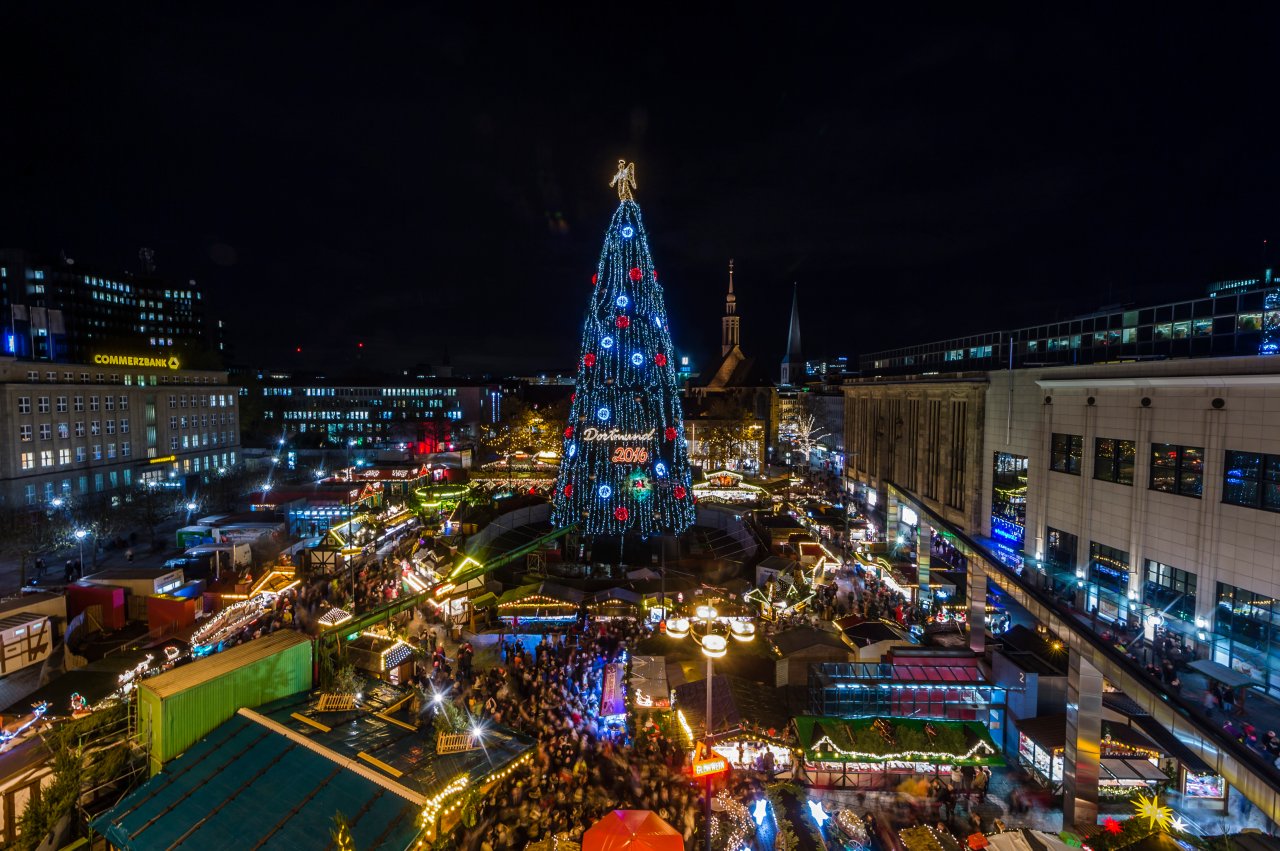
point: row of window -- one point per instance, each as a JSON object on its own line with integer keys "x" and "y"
{"x": 1174, "y": 469}
{"x": 27, "y": 460}
{"x": 77, "y": 403}
{"x": 217, "y": 400}
{"x": 128, "y": 380}
{"x": 202, "y": 421}
{"x": 195, "y": 441}
{"x": 64, "y": 429}
{"x": 1250, "y": 479}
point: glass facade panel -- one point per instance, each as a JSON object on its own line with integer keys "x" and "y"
{"x": 1252, "y": 480}
{"x": 1170, "y": 590}
{"x": 1177, "y": 469}
{"x": 1065, "y": 453}
{"x": 1113, "y": 460}
{"x": 1009, "y": 498}
{"x": 1109, "y": 567}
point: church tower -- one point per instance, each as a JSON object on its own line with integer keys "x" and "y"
{"x": 793, "y": 363}
{"x": 729, "y": 324}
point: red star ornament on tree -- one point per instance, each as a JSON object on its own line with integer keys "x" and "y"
{"x": 670, "y": 433}
{"x": 636, "y": 274}
{"x": 622, "y": 321}
{"x": 660, "y": 359}
{"x": 588, "y": 359}
{"x": 621, "y": 513}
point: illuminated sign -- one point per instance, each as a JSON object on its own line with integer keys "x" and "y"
{"x": 129, "y": 360}
{"x": 630, "y": 455}
{"x": 164, "y": 460}
{"x": 707, "y": 762}
{"x": 613, "y": 435}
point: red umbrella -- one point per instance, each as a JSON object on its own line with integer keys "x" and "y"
{"x": 632, "y": 830}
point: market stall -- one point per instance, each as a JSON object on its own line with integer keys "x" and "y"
{"x": 1130, "y": 761}
{"x": 878, "y": 753}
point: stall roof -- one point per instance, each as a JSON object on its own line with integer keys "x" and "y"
{"x": 621, "y": 595}
{"x": 802, "y": 638}
{"x": 1229, "y": 677}
{"x": 1050, "y": 733}
{"x": 94, "y": 682}
{"x": 211, "y": 667}
{"x": 553, "y": 590}
{"x": 736, "y": 703}
{"x": 852, "y": 734}
{"x": 246, "y": 785}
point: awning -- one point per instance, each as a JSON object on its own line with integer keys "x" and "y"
{"x": 1172, "y": 745}
{"x": 1229, "y": 677}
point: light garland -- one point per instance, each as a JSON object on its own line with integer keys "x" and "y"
{"x": 435, "y": 806}
{"x": 904, "y": 756}
{"x": 634, "y": 474}
{"x": 37, "y": 713}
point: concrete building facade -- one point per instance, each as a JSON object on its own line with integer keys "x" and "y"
{"x": 75, "y": 430}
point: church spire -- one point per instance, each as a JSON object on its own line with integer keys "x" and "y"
{"x": 729, "y": 323}
{"x": 793, "y": 363}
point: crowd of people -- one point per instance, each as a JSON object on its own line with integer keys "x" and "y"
{"x": 584, "y": 765}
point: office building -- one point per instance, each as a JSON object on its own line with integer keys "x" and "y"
{"x": 64, "y": 312}
{"x": 1141, "y": 481}
{"x": 423, "y": 414}
{"x": 82, "y": 430}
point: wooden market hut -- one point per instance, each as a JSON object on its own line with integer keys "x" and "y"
{"x": 878, "y": 753}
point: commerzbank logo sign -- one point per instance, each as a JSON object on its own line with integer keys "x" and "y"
{"x": 170, "y": 362}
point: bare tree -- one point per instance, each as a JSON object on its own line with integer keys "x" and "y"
{"x": 805, "y": 434}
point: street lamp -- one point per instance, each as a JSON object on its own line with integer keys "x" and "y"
{"x": 80, "y": 535}
{"x": 714, "y": 646}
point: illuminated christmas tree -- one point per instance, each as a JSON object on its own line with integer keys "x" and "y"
{"x": 625, "y": 466}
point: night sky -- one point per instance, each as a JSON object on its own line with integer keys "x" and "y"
{"x": 416, "y": 180}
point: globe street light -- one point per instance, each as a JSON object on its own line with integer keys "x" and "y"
{"x": 714, "y": 646}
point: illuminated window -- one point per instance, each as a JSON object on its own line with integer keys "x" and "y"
{"x": 1177, "y": 469}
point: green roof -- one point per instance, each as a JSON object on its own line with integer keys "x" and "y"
{"x": 828, "y": 739}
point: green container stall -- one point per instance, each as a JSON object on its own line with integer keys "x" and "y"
{"x": 179, "y": 707}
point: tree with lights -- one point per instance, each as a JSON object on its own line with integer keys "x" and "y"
{"x": 624, "y": 464}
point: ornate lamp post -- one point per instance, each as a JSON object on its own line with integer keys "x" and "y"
{"x": 714, "y": 646}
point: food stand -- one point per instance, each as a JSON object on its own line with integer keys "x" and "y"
{"x": 878, "y": 753}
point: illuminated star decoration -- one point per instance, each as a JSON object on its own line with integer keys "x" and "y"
{"x": 1111, "y": 825}
{"x": 1178, "y": 824}
{"x": 1150, "y": 809}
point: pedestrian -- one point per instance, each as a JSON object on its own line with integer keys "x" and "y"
{"x": 1228, "y": 702}
{"x": 39, "y": 568}
{"x": 1210, "y": 704}
{"x": 128, "y": 555}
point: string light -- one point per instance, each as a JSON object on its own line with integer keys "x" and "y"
{"x": 628, "y": 381}
{"x": 825, "y": 743}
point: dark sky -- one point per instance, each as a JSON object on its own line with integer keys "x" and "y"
{"x": 416, "y": 179}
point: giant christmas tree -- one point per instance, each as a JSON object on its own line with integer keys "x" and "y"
{"x": 625, "y": 466}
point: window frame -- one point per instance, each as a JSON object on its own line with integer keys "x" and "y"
{"x": 1179, "y": 468}
{"x": 1063, "y": 448}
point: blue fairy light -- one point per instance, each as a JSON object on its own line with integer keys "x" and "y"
{"x": 572, "y": 450}
{"x": 660, "y": 469}
{"x": 637, "y": 358}
{"x": 605, "y": 491}
{"x": 657, "y": 320}
{"x": 628, "y": 231}
{"x": 623, "y": 301}
{"x": 602, "y": 414}
{"x": 606, "y": 342}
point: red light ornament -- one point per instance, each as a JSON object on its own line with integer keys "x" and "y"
{"x": 594, "y": 279}
{"x": 622, "y": 321}
{"x": 660, "y": 359}
{"x": 568, "y": 490}
{"x": 679, "y": 492}
{"x": 568, "y": 432}
{"x": 588, "y": 359}
{"x": 670, "y": 433}
{"x": 1112, "y": 826}
{"x": 636, "y": 274}
{"x": 621, "y": 513}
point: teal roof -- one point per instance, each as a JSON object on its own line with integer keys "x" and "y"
{"x": 244, "y": 786}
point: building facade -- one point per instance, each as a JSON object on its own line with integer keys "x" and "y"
{"x": 1145, "y": 490}
{"x": 423, "y": 414}
{"x": 75, "y": 430}
{"x": 64, "y": 312}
